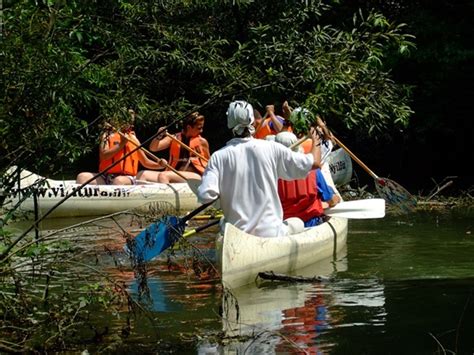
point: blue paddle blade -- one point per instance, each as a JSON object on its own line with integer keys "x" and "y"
{"x": 156, "y": 238}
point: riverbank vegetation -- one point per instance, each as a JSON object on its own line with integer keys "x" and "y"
{"x": 69, "y": 67}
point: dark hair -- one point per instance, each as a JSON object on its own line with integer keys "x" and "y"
{"x": 192, "y": 119}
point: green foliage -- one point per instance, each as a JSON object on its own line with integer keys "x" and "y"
{"x": 337, "y": 72}
{"x": 301, "y": 120}
{"x": 46, "y": 304}
{"x": 71, "y": 66}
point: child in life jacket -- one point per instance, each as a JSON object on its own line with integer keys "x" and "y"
{"x": 305, "y": 198}
{"x": 188, "y": 152}
{"x": 115, "y": 157}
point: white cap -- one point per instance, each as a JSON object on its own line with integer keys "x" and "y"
{"x": 240, "y": 116}
{"x": 287, "y": 139}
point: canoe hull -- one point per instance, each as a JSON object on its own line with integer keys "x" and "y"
{"x": 97, "y": 200}
{"x": 339, "y": 167}
{"x": 242, "y": 256}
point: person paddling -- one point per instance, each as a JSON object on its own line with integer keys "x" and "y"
{"x": 305, "y": 198}
{"x": 114, "y": 146}
{"x": 269, "y": 125}
{"x": 244, "y": 175}
{"x": 189, "y": 165}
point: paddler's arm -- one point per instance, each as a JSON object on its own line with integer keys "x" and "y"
{"x": 326, "y": 132}
{"x": 315, "y": 148}
{"x": 286, "y": 110}
{"x": 144, "y": 160}
{"x": 205, "y": 146}
{"x": 150, "y": 164}
{"x": 209, "y": 189}
{"x": 161, "y": 141}
{"x": 276, "y": 122}
{"x": 105, "y": 151}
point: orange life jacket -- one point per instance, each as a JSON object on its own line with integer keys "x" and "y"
{"x": 195, "y": 144}
{"x": 127, "y": 166}
{"x": 299, "y": 198}
{"x": 307, "y": 145}
{"x": 264, "y": 129}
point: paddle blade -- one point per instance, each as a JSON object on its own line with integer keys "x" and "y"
{"x": 395, "y": 195}
{"x": 156, "y": 238}
{"x": 358, "y": 209}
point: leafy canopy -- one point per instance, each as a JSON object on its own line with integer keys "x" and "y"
{"x": 70, "y": 66}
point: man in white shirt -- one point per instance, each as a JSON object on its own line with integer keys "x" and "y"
{"x": 244, "y": 175}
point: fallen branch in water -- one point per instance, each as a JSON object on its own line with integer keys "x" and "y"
{"x": 439, "y": 189}
{"x": 270, "y": 275}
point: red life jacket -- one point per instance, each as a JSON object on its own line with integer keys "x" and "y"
{"x": 196, "y": 144}
{"x": 128, "y": 166}
{"x": 299, "y": 198}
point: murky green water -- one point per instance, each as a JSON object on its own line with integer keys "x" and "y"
{"x": 402, "y": 286}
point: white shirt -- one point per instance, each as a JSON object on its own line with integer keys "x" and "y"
{"x": 244, "y": 174}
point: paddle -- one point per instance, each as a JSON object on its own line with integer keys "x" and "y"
{"x": 392, "y": 192}
{"x": 150, "y": 154}
{"x": 298, "y": 142}
{"x": 355, "y": 209}
{"x": 358, "y": 209}
{"x": 185, "y": 146}
{"x": 191, "y": 232}
{"x": 159, "y": 236}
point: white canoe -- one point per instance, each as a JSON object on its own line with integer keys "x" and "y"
{"x": 97, "y": 200}
{"x": 340, "y": 167}
{"x": 241, "y": 256}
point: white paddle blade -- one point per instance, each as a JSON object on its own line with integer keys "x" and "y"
{"x": 358, "y": 209}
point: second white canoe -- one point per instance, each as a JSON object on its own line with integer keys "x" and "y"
{"x": 241, "y": 256}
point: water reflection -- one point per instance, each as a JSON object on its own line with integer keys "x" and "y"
{"x": 398, "y": 284}
{"x": 272, "y": 316}
{"x": 257, "y": 315}
{"x": 154, "y": 297}
{"x": 276, "y": 317}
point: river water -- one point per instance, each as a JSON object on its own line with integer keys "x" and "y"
{"x": 403, "y": 285}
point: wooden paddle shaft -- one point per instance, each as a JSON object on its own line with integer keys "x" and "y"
{"x": 153, "y": 156}
{"x": 357, "y": 160}
{"x": 298, "y": 142}
{"x": 352, "y": 155}
{"x": 185, "y": 146}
